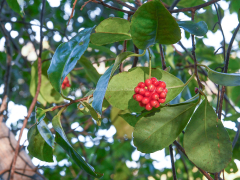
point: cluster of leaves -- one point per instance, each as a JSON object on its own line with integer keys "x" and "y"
{"x": 206, "y": 141}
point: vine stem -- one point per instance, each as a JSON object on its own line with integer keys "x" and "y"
{"x": 150, "y": 64}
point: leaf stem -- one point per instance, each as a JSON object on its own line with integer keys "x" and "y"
{"x": 150, "y": 63}
{"x": 183, "y": 84}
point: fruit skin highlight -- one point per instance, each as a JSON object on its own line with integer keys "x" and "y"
{"x": 151, "y": 93}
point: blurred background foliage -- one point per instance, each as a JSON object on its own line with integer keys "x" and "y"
{"x": 108, "y": 147}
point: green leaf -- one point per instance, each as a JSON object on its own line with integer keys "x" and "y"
{"x": 124, "y": 130}
{"x": 225, "y": 79}
{"x": 89, "y": 69}
{"x": 187, "y": 3}
{"x": 17, "y": 6}
{"x": 133, "y": 119}
{"x": 102, "y": 84}
{"x": 62, "y": 140}
{"x": 93, "y": 113}
{"x": 239, "y": 15}
{"x": 100, "y": 90}
{"x": 152, "y": 23}
{"x": 198, "y": 29}
{"x": 206, "y": 141}
{"x": 103, "y": 49}
{"x": 42, "y": 126}
{"x": 160, "y": 130}
{"x": 121, "y": 87}
{"x": 66, "y": 57}
{"x": 111, "y": 30}
{"x": 45, "y": 133}
{"x": 38, "y": 147}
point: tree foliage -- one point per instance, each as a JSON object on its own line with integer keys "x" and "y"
{"x": 73, "y": 126}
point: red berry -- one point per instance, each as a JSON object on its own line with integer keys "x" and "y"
{"x": 65, "y": 80}
{"x": 156, "y": 83}
{"x": 154, "y": 103}
{"x": 148, "y": 107}
{"x": 196, "y": 90}
{"x": 155, "y": 96}
{"x": 148, "y": 82}
{"x": 63, "y": 86}
{"x": 134, "y": 96}
{"x": 151, "y": 88}
{"x": 159, "y": 89}
{"x": 145, "y": 100}
{"x": 142, "y": 91}
{"x": 141, "y": 104}
{"x": 153, "y": 79}
{"x": 162, "y": 84}
{"x": 165, "y": 90}
{"x": 147, "y": 94}
{"x": 161, "y": 100}
{"x": 162, "y": 95}
{"x": 158, "y": 104}
{"x": 139, "y": 97}
{"x": 141, "y": 85}
{"x": 68, "y": 85}
{"x": 136, "y": 89}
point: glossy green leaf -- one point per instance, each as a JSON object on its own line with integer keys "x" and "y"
{"x": 89, "y": 69}
{"x": 152, "y": 23}
{"x": 239, "y": 15}
{"x": 124, "y": 130}
{"x": 40, "y": 114}
{"x": 206, "y": 141}
{"x": 93, "y": 113}
{"x": 225, "y": 79}
{"x": 42, "y": 126}
{"x": 100, "y": 90}
{"x": 102, "y": 84}
{"x": 62, "y": 140}
{"x": 158, "y": 131}
{"x": 17, "y": 6}
{"x": 187, "y": 3}
{"x": 38, "y": 147}
{"x": 198, "y": 29}
{"x": 133, "y": 119}
{"x": 111, "y": 30}
{"x": 66, "y": 57}
{"x": 121, "y": 87}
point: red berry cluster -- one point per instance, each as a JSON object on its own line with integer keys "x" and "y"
{"x": 65, "y": 83}
{"x": 151, "y": 93}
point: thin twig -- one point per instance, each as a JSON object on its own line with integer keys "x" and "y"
{"x": 174, "y": 4}
{"x": 194, "y": 56}
{"x": 220, "y": 26}
{"x": 35, "y": 97}
{"x": 172, "y": 162}
{"x": 135, "y": 60}
{"x": 71, "y": 16}
{"x": 180, "y": 148}
{"x": 126, "y": 5}
{"x": 117, "y": 9}
{"x": 162, "y": 57}
{"x": 236, "y": 136}
{"x": 7, "y": 74}
{"x": 193, "y": 9}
